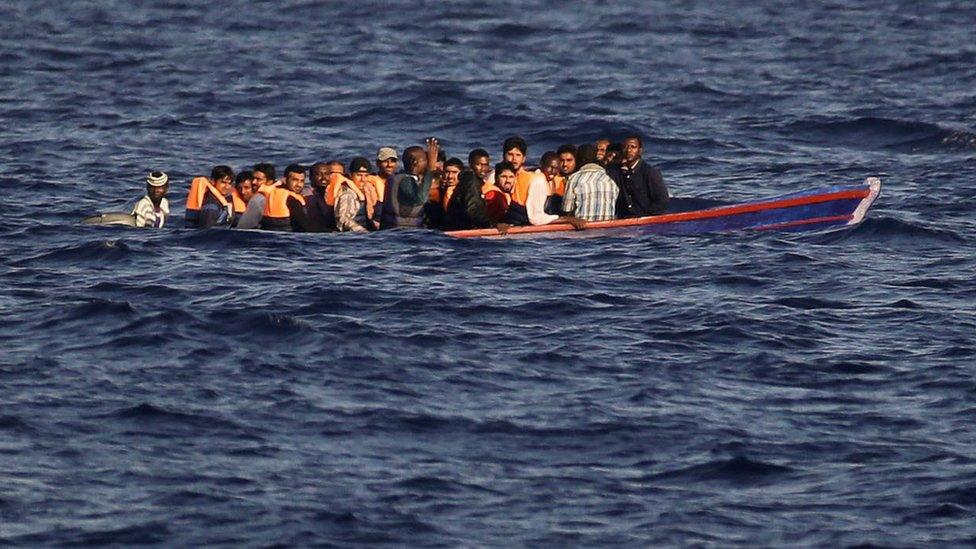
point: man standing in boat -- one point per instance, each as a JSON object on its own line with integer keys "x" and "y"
{"x": 642, "y": 189}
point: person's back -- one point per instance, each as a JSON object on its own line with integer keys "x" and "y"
{"x": 466, "y": 208}
{"x": 590, "y": 193}
{"x": 407, "y": 193}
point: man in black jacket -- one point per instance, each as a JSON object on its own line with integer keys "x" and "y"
{"x": 466, "y": 209}
{"x": 642, "y": 189}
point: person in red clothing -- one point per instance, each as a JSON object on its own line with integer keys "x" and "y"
{"x": 498, "y": 193}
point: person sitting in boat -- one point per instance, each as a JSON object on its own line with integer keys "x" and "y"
{"x": 285, "y": 206}
{"x": 642, "y": 188}
{"x": 613, "y": 156}
{"x": 567, "y": 159}
{"x": 590, "y": 193}
{"x": 152, "y": 209}
{"x": 440, "y": 195}
{"x": 206, "y": 202}
{"x": 241, "y": 194}
{"x": 466, "y": 208}
{"x": 357, "y": 206}
{"x": 479, "y": 162}
{"x": 407, "y": 192}
{"x": 538, "y": 196}
{"x": 497, "y": 193}
{"x": 556, "y": 184}
{"x": 320, "y": 214}
{"x": 262, "y": 183}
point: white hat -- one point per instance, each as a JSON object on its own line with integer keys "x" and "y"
{"x": 157, "y": 179}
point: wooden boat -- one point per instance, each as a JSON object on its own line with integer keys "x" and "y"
{"x": 814, "y": 209}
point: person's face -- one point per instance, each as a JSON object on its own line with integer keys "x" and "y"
{"x": 320, "y": 176}
{"x": 551, "y": 169}
{"x": 295, "y": 182}
{"x": 224, "y": 185}
{"x": 609, "y": 157}
{"x": 451, "y": 175}
{"x": 601, "y": 148}
{"x": 360, "y": 178}
{"x": 481, "y": 167}
{"x": 567, "y": 163}
{"x": 516, "y": 157}
{"x": 505, "y": 180}
{"x": 156, "y": 194}
{"x": 260, "y": 179}
{"x": 419, "y": 162}
{"x": 246, "y": 189}
{"x": 632, "y": 150}
{"x": 386, "y": 168}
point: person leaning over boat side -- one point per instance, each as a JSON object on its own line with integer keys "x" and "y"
{"x": 590, "y": 193}
{"x": 356, "y": 207}
{"x": 407, "y": 192}
{"x": 567, "y": 159}
{"x": 549, "y": 169}
{"x": 261, "y": 185}
{"x": 285, "y": 207}
{"x": 479, "y": 162}
{"x": 241, "y": 194}
{"x": 642, "y": 188}
{"x": 152, "y": 209}
{"x": 206, "y": 201}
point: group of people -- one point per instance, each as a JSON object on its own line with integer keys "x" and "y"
{"x": 423, "y": 188}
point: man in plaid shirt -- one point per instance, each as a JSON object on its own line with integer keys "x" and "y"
{"x": 590, "y": 193}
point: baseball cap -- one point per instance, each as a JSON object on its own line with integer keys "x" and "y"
{"x": 386, "y": 153}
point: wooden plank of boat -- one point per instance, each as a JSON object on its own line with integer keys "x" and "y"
{"x": 813, "y": 209}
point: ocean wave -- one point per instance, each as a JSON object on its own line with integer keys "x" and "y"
{"x": 872, "y": 132}
{"x": 739, "y": 471}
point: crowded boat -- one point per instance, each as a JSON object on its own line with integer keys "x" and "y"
{"x": 422, "y": 188}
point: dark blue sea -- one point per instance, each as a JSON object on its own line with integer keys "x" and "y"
{"x": 207, "y": 388}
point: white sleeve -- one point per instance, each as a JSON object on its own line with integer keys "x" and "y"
{"x": 535, "y": 203}
{"x": 143, "y": 211}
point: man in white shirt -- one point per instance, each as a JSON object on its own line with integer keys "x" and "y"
{"x": 152, "y": 209}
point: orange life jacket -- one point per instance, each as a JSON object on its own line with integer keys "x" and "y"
{"x": 335, "y": 186}
{"x": 239, "y": 204}
{"x": 276, "y": 206}
{"x": 380, "y": 185}
{"x": 520, "y": 193}
{"x": 199, "y": 187}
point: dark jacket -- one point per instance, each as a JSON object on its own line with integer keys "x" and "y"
{"x": 642, "y": 190}
{"x": 321, "y": 216}
{"x": 466, "y": 210}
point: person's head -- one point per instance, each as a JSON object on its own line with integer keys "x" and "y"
{"x": 295, "y": 178}
{"x": 223, "y": 179}
{"x": 480, "y": 163}
{"x": 505, "y": 176}
{"x": 386, "y": 162}
{"x": 359, "y": 171}
{"x": 601, "y": 148}
{"x": 244, "y": 186}
{"x": 613, "y": 155}
{"x": 586, "y": 154}
{"x": 264, "y": 174}
{"x": 452, "y": 171}
{"x": 549, "y": 164}
{"x": 320, "y": 174}
{"x": 514, "y": 150}
{"x": 335, "y": 170}
{"x": 157, "y": 185}
{"x": 567, "y": 159}
{"x": 633, "y": 147}
{"x": 414, "y": 160}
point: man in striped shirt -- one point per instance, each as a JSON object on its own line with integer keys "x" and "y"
{"x": 590, "y": 193}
